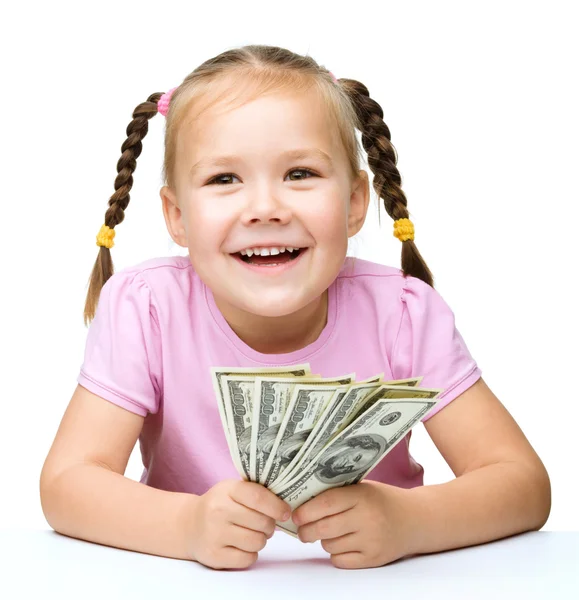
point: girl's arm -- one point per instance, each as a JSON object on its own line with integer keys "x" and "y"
{"x": 85, "y": 495}
{"x": 501, "y": 486}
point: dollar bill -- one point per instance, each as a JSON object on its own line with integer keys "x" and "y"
{"x": 352, "y": 454}
{"x": 356, "y": 401}
{"x": 225, "y": 409}
{"x": 345, "y": 396}
{"x": 273, "y": 395}
{"x": 303, "y": 411}
{"x": 298, "y": 429}
{"x": 412, "y": 381}
{"x": 341, "y": 391}
{"x": 238, "y": 395}
{"x": 392, "y": 392}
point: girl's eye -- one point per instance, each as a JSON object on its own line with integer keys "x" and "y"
{"x": 302, "y": 171}
{"x": 219, "y": 179}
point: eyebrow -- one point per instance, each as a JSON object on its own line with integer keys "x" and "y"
{"x": 298, "y": 154}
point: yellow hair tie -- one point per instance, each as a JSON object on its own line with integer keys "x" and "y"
{"x": 404, "y": 229}
{"x": 105, "y": 237}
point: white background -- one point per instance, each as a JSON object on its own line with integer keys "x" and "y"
{"x": 482, "y": 103}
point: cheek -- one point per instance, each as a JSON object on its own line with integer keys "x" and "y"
{"x": 329, "y": 219}
{"x": 207, "y": 225}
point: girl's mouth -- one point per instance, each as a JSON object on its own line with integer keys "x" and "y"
{"x": 273, "y": 263}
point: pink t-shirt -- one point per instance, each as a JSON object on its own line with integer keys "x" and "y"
{"x": 157, "y": 331}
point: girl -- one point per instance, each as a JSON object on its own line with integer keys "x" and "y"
{"x": 263, "y": 187}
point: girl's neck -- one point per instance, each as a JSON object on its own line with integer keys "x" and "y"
{"x": 278, "y": 335}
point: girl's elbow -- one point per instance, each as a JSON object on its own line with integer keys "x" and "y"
{"x": 541, "y": 493}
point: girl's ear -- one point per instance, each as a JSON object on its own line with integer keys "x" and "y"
{"x": 173, "y": 216}
{"x": 359, "y": 199}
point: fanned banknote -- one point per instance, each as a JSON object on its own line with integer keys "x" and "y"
{"x": 299, "y": 434}
{"x": 355, "y": 451}
{"x": 307, "y": 403}
{"x": 217, "y": 375}
{"x": 342, "y": 395}
{"x": 273, "y": 397}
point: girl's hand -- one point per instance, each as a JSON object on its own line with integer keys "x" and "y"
{"x": 361, "y": 525}
{"x": 232, "y": 522}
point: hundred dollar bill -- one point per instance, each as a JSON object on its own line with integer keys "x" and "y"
{"x": 344, "y": 405}
{"x": 340, "y": 393}
{"x": 391, "y": 392}
{"x": 273, "y": 395}
{"x": 306, "y": 405}
{"x": 351, "y": 455}
{"x": 217, "y": 375}
{"x": 344, "y": 395}
{"x": 288, "y": 472}
{"x": 238, "y": 395}
{"x": 356, "y": 401}
{"x": 412, "y": 381}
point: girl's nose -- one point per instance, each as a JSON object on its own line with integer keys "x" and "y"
{"x": 265, "y": 205}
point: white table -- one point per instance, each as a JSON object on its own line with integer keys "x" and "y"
{"x": 42, "y": 564}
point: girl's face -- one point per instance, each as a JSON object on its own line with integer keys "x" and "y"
{"x": 239, "y": 187}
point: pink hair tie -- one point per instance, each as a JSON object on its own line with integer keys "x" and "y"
{"x": 333, "y": 77}
{"x": 163, "y": 102}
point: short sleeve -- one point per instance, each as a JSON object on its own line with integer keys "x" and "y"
{"x": 122, "y": 359}
{"x": 429, "y": 344}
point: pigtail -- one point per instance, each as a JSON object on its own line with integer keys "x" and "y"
{"x": 382, "y": 160}
{"x": 131, "y": 149}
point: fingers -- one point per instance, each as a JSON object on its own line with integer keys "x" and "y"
{"x": 231, "y": 558}
{"x": 232, "y": 523}
{"x": 328, "y": 503}
{"x": 342, "y": 544}
{"x": 246, "y": 539}
{"x": 349, "y": 560}
{"x": 252, "y": 519}
{"x": 259, "y": 498}
{"x": 330, "y": 527}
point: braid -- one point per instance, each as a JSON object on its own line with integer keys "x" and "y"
{"x": 382, "y": 160}
{"x": 131, "y": 149}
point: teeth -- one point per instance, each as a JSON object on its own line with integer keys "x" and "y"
{"x": 266, "y": 251}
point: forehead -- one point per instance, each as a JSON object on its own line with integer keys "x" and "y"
{"x": 254, "y": 120}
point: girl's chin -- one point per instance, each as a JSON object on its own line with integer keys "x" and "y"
{"x": 270, "y": 305}
{"x": 271, "y": 310}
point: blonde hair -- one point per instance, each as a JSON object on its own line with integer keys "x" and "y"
{"x": 252, "y": 71}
